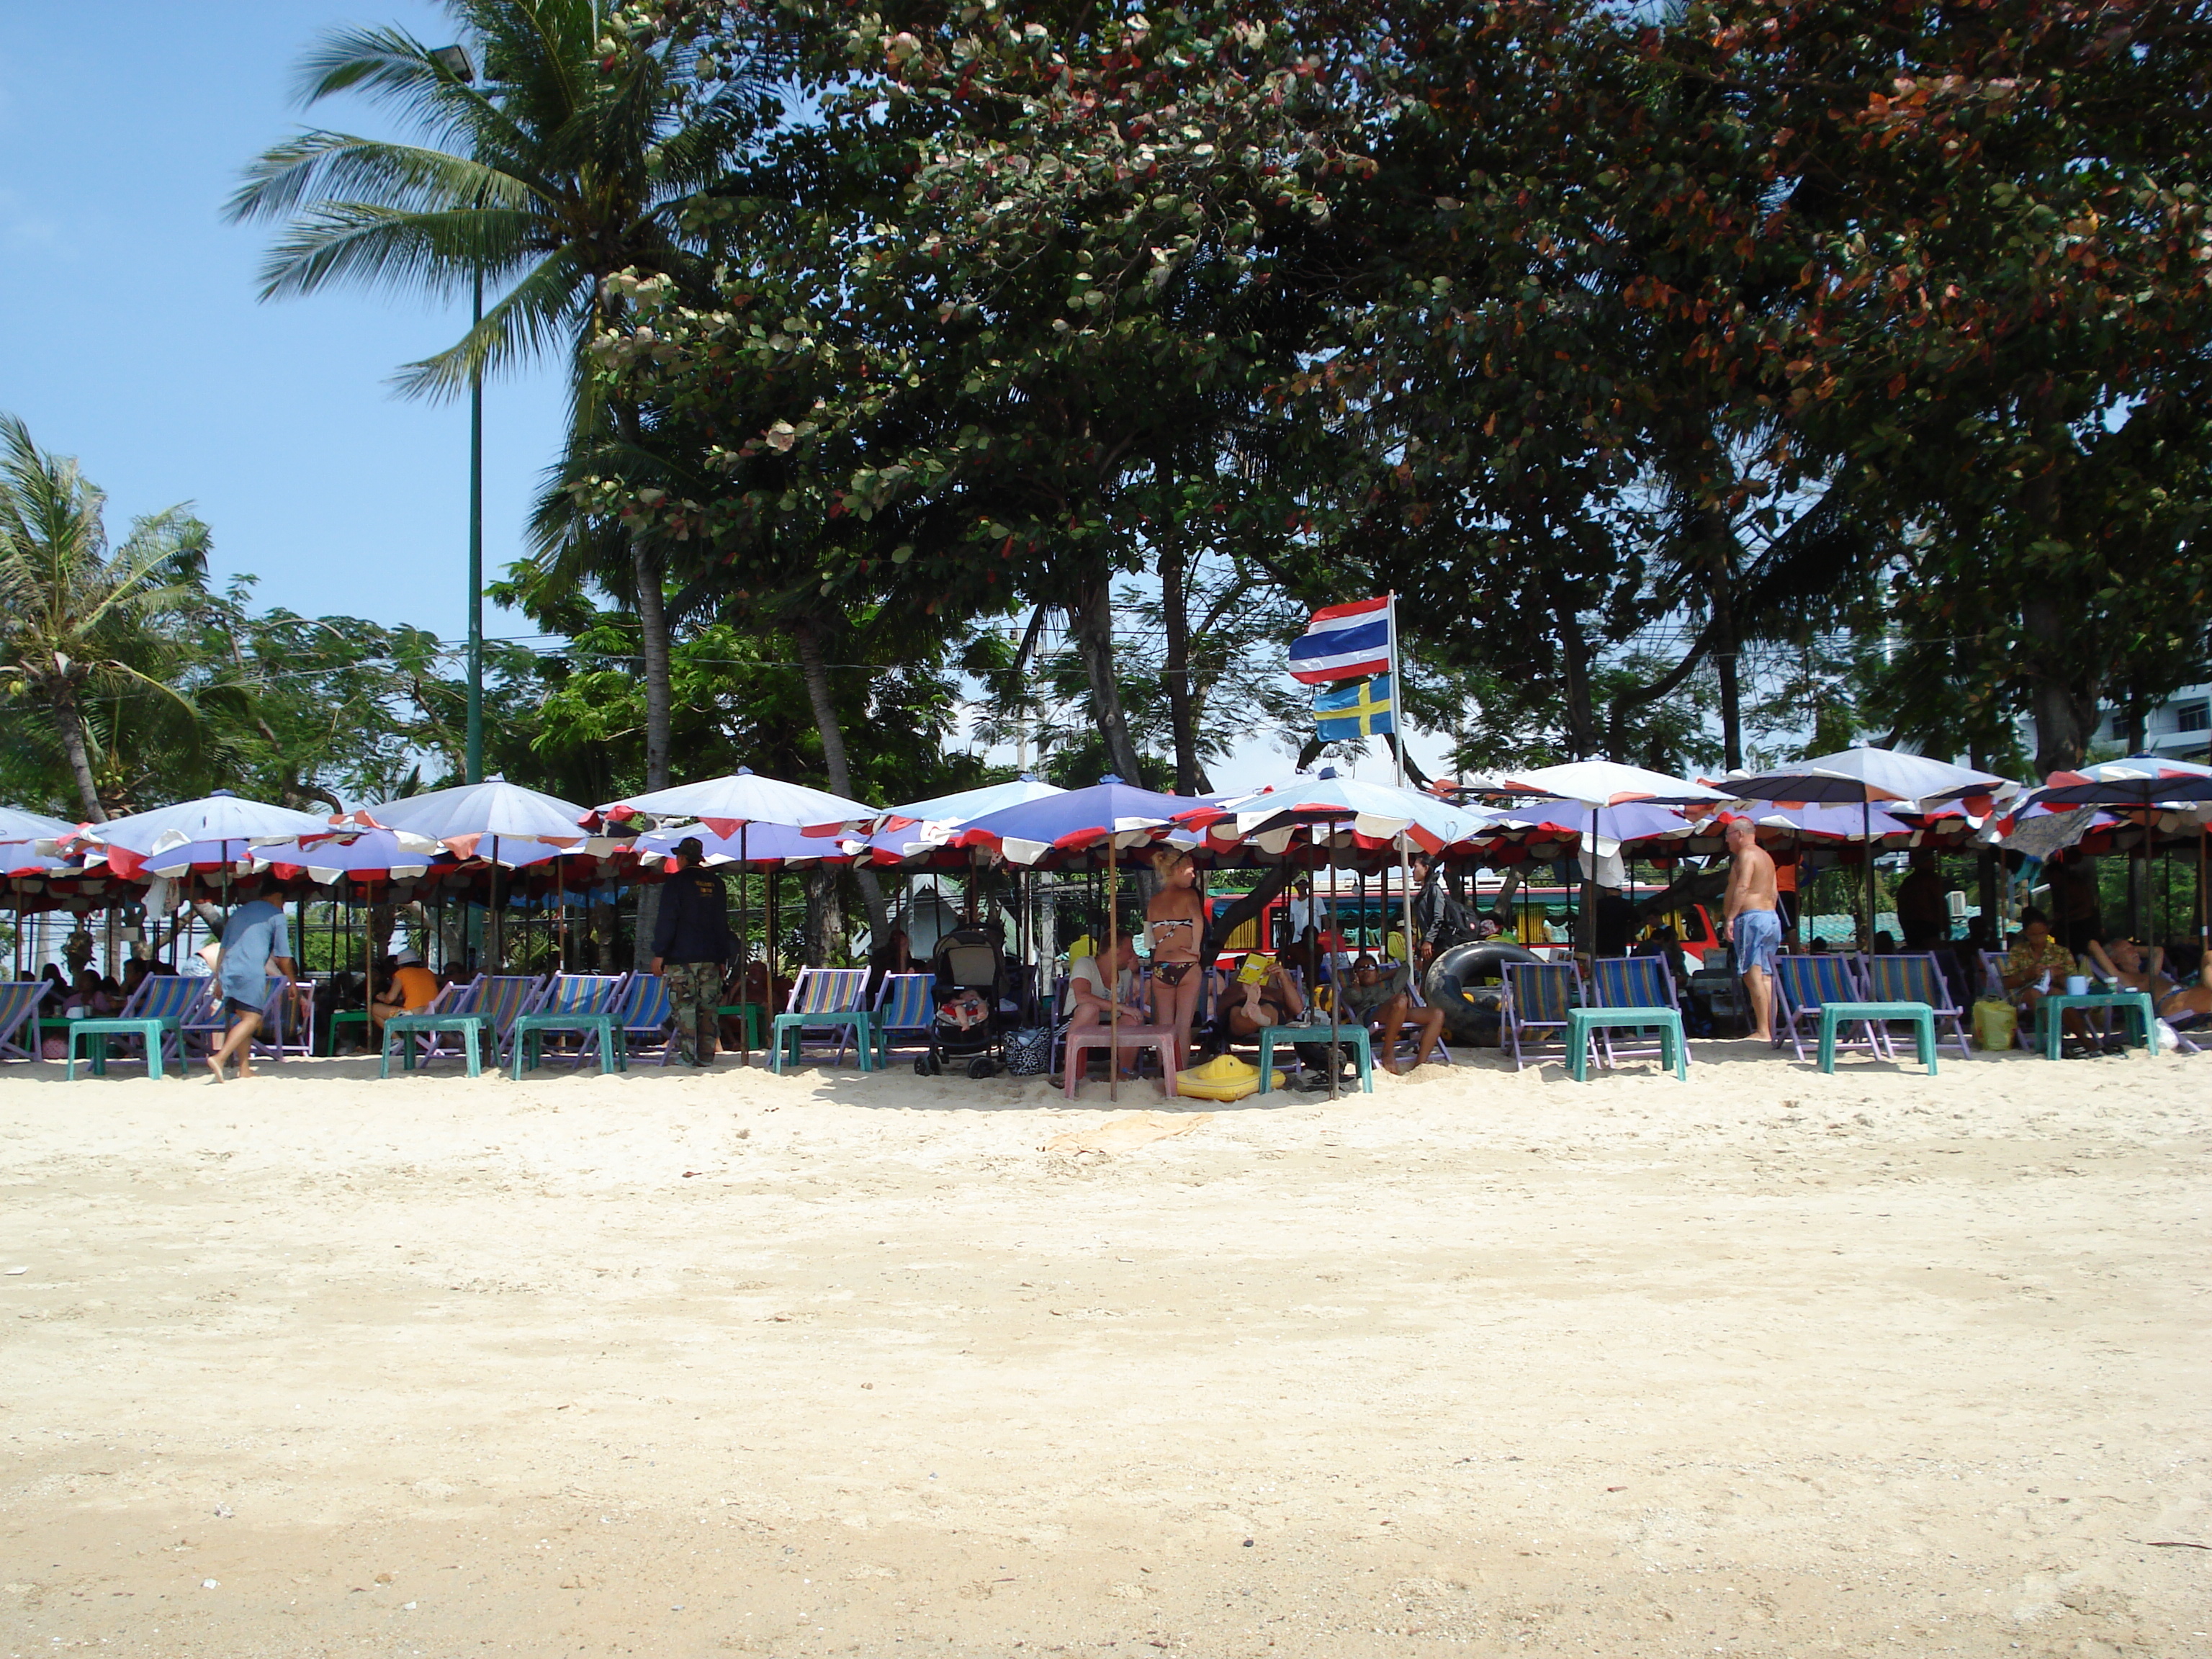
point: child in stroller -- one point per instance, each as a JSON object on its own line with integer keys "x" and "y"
{"x": 969, "y": 994}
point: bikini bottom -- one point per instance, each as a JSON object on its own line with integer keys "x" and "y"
{"x": 1172, "y": 974}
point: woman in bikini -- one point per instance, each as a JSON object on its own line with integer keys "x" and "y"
{"x": 1176, "y": 921}
{"x": 2141, "y": 968}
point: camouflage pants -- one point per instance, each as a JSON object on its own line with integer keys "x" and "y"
{"x": 695, "y": 991}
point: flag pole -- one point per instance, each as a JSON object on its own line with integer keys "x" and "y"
{"x": 1397, "y": 756}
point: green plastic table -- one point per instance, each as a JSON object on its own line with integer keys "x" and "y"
{"x": 1584, "y": 1023}
{"x": 869, "y": 1037}
{"x": 528, "y": 1038}
{"x": 1923, "y": 1017}
{"x": 345, "y": 1016}
{"x": 1353, "y": 1037}
{"x": 475, "y": 1030}
{"x": 2051, "y": 1016}
{"x": 751, "y": 1012}
{"x": 154, "y": 1031}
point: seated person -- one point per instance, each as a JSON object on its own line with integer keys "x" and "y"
{"x": 410, "y": 990}
{"x": 1386, "y": 1000}
{"x": 2139, "y": 969}
{"x": 2034, "y": 962}
{"x": 1089, "y": 1002}
{"x": 1273, "y": 999}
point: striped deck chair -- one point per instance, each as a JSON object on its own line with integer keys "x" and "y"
{"x": 506, "y": 998}
{"x": 906, "y": 1008}
{"x": 1917, "y": 978}
{"x": 1631, "y": 983}
{"x": 828, "y": 991}
{"x": 1398, "y": 1040}
{"x": 1803, "y": 985}
{"x": 579, "y": 993}
{"x": 211, "y": 1023}
{"x": 647, "y": 1017}
{"x": 168, "y": 996}
{"x": 1537, "y": 997}
{"x": 19, "y": 1001}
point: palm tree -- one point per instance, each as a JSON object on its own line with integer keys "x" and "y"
{"x": 556, "y": 169}
{"x": 77, "y": 624}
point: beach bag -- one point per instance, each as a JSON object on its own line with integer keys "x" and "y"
{"x": 1995, "y": 1022}
{"x": 1029, "y": 1050}
{"x": 1223, "y": 1078}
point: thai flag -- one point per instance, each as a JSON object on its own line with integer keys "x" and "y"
{"x": 1344, "y": 642}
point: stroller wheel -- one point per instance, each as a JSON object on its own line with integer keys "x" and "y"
{"x": 980, "y": 1069}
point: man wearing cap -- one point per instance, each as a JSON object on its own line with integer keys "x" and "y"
{"x": 408, "y": 989}
{"x": 691, "y": 947}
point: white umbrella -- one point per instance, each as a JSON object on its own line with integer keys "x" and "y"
{"x": 169, "y": 840}
{"x": 1865, "y": 776}
{"x": 745, "y": 797}
{"x": 1598, "y": 784}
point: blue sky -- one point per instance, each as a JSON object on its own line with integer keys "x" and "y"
{"x": 136, "y": 341}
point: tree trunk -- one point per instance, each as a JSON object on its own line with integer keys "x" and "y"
{"x": 653, "y": 646}
{"x": 1091, "y": 621}
{"x": 68, "y": 723}
{"x": 2065, "y": 714}
{"x": 1574, "y": 661}
{"x": 814, "y": 669}
{"x": 1175, "y": 671}
{"x": 1721, "y": 567}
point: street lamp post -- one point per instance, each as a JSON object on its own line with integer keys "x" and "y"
{"x": 454, "y": 60}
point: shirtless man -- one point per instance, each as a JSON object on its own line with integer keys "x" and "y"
{"x": 1753, "y": 926}
{"x": 2144, "y": 971}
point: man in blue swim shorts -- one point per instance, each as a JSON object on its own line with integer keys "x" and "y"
{"x": 1753, "y": 921}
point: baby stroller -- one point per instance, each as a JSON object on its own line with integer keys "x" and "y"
{"x": 971, "y": 994}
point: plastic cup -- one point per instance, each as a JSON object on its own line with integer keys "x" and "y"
{"x": 2077, "y": 985}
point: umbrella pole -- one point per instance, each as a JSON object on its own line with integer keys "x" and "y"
{"x": 744, "y": 990}
{"x": 495, "y": 924}
{"x": 1335, "y": 985}
{"x": 560, "y": 911}
{"x": 1111, "y": 980}
{"x": 1866, "y": 836}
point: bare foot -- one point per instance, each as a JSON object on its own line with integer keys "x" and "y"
{"x": 215, "y": 1066}
{"x": 246, "y": 1072}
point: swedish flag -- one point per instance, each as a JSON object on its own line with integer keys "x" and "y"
{"x": 1356, "y": 709}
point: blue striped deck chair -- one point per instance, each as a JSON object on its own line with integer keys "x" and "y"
{"x": 646, "y": 1016}
{"x": 19, "y": 1001}
{"x": 211, "y": 1024}
{"x": 450, "y": 999}
{"x": 1915, "y": 977}
{"x": 1631, "y": 983}
{"x": 1398, "y": 1039}
{"x": 1537, "y": 997}
{"x": 168, "y": 996}
{"x": 579, "y": 993}
{"x": 506, "y": 998}
{"x": 1803, "y": 985}
{"x": 825, "y": 991}
{"x": 906, "y": 1008}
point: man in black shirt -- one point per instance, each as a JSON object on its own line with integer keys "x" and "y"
{"x": 691, "y": 946}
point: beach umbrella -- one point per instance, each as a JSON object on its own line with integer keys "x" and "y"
{"x": 2141, "y": 782}
{"x": 1599, "y": 785}
{"x": 462, "y": 817}
{"x": 1053, "y": 828}
{"x": 753, "y": 843}
{"x": 967, "y": 804}
{"x": 361, "y": 853}
{"x": 1865, "y": 776}
{"x": 220, "y": 829}
{"x": 745, "y": 797}
{"x": 502, "y": 823}
{"x": 2138, "y": 780}
{"x": 15, "y": 826}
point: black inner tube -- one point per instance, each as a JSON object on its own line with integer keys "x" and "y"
{"x": 1467, "y": 982}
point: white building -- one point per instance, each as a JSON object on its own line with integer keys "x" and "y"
{"x": 2180, "y": 727}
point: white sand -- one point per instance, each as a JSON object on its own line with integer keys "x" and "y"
{"x": 1769, "y": 1363}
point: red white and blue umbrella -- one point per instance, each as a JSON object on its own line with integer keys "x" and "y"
{"x": 496, "y": 820}
{"x": 1110, "y": 814}
{"x": 745, "y": 797}
{"x": 219, "y": 830}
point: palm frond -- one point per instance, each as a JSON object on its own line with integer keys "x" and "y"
{"x": 437, "y": 254}
{"x": 410, "y": 178}
{"x": 550, "y": 303}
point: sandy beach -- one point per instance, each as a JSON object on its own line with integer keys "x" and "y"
{"x": 1768, "y": 1363}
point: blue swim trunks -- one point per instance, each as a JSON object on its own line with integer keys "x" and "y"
{"x": 1758, "y": 940}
